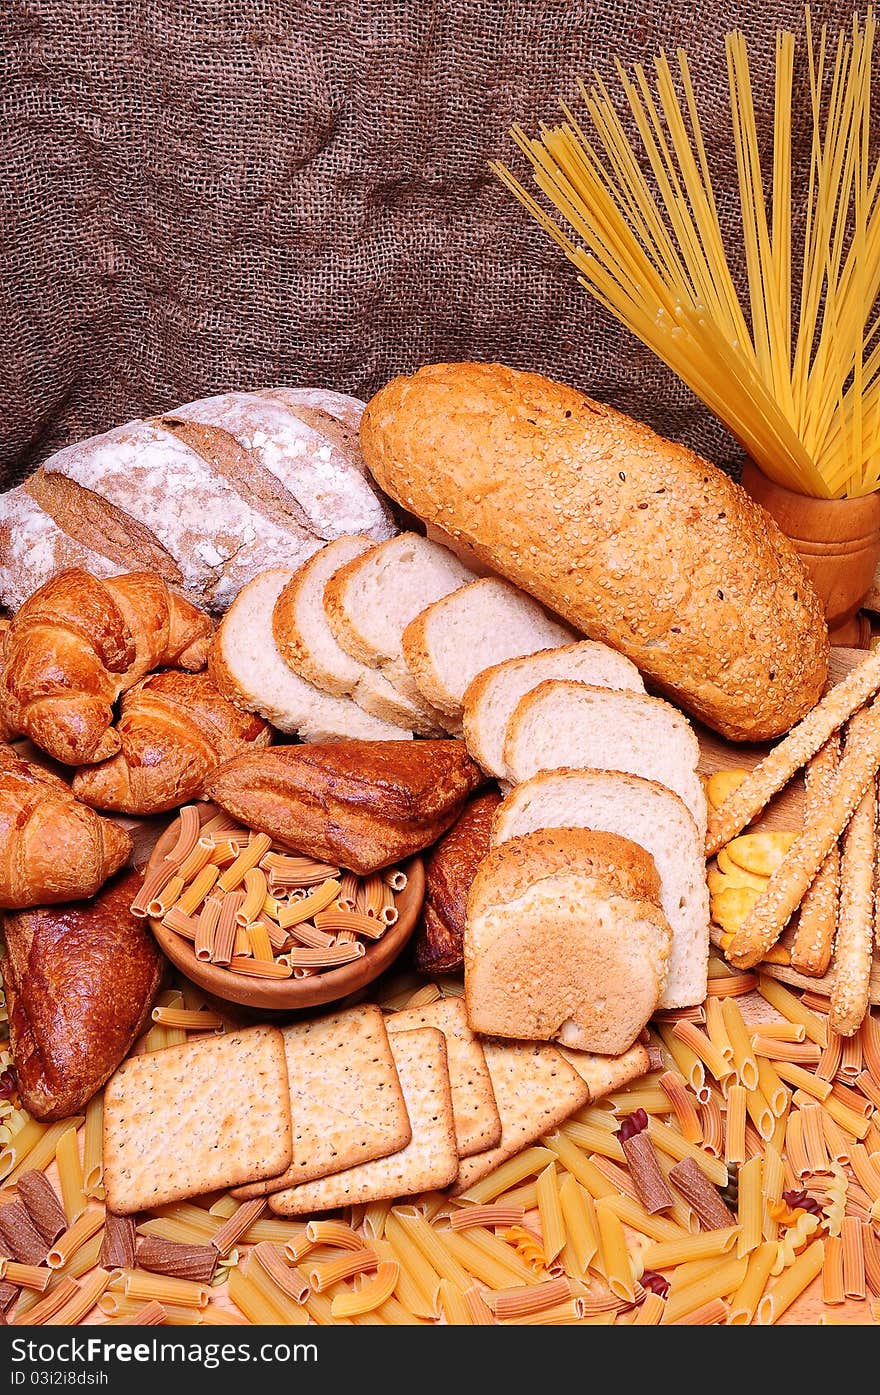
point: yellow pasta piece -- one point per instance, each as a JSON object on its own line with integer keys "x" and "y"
{"x": 791, "y": 1284}
{"x": 744, "y": 1302}
{"x": 318, "y": 900}
{"x": 550, "y": 1212}
{"x": 615, "y": 1256}
{"x": 70, "y": 1175}
{"x": 750, "y": 1206}
{"x": 743, "y": 1053}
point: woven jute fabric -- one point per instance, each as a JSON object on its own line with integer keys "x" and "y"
{"x": 234, "y": 193}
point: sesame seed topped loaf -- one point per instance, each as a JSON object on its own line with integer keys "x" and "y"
{"x": 632, "y": 539}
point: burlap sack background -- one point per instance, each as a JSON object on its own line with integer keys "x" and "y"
{"x": 203, "y": 196}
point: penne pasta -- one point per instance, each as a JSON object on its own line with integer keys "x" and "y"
{"x": 683, "y": 1106}
{"x": 84, "y": 1227}
{"x": 785, "y": 1002}
{"x": 514, "y": 1170}
{"x": 747, "y": 1296}
{"x": 689, "y": 1064}
{"x": 454, "y": 1305}
{"x": 735, "y": 1136}
{"x": 707, "y": 1244}
{"x": 790, "y": 1284}
{"x": 37, "y": 1150}
{"x": 832, "y": 1271}
{"x": 93, "y": 1148}
{"x": 371, "y": 1295}
{"x": 70, "y": 1175}
{"x": 550, "y": 1213}
{"x": 722, "y": 1281}
{"x": 750, "y": 1206}
{"x": 615, "y": 1255}
{"x": 714, "y": 1060}
{"x": 745, "y": 1064}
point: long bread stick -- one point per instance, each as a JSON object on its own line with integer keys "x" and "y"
{"x": 854, "y": 944}
{"x": 785, "y": 889}
{"x": 793, "y": 752}
{"x": 814, "y": 938}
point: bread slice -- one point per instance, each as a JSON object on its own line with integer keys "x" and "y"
{"x": 651, "y": 816}
{"x": 565, "y": 940}
{"x": 561, "y": 723}
{"x": 370, "y": 601}
{"x": 490, "y": 698}
{"x": 482, "y": 623}
{"x": 306, "y": 642}
{"x": 246, "y": 666}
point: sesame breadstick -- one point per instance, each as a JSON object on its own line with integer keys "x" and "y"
{"x": 785, "y": 890}
{"x": 814, "y": 937}
{"x": 802, "y": 742}
{"x": 854, "y": 944}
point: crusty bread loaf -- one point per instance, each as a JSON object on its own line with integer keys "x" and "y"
{"x": 491, "y": 697}
{"x": 297, "y": 464}
{"x": 632, "y": 539}
{"x": 565, "y": 940}
{"x": 450, "y": 641}
{"x": 80, "y": 981}
{"x": 207, "y": 495}
{"x": 651, "y": 816}
{"x": 306, "y": 642}
{"x": 561, "y": 723}
{"x": 370, "y": 601}
{"x": 246, "y": 666}
{"x": 361, "y": 804}
{"x": 151, "y": 495}
{"x": 33, "y": 547}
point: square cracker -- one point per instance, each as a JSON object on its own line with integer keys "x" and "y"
{"x": 535, "y": 1089}
{"x": 606, "y": 1073}
{"x": 477, "y": 1121}
{"x": 193, "y": 1118}
{"x": 346, "y": 1102}
{"x": 429, "y": 1160}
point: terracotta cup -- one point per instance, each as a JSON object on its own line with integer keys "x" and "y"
{"x": 838, "y": 540}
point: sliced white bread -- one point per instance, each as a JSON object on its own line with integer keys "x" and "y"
{"x": 565, "y": 940}
{"x": 651, "y": 816}
{"x": 560, "y": 723}
{"x": 492, "y": 695}
{"x": 489, "y": 620}
{"x": 246, "y": 666}
{"x": 370, "y": 601}
{"x": 307, "y": 643}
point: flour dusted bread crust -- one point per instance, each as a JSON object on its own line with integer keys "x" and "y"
{"x": 207, "y": 494}
{"x": 632, "y": 539}
{"x": 566, "y": 941}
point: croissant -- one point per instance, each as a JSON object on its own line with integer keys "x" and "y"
{"x": 175, "y": 728}
{"x": 77, "y": 643}
{"x": 52, "y": 848}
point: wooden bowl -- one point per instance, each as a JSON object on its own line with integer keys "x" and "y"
{"x": 291, "y": 994}
{"x": 838, "y": 541}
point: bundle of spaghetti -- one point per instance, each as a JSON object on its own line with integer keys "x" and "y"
{"x": 646, "y": 240}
